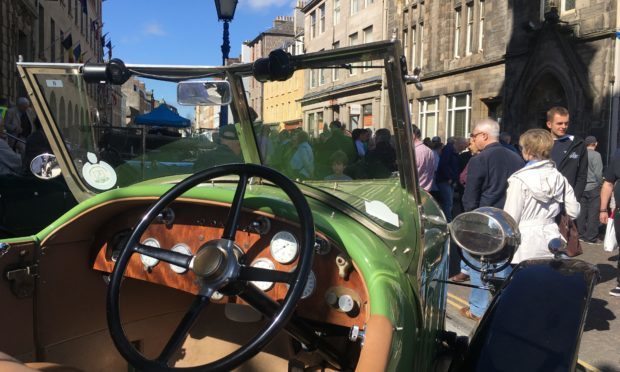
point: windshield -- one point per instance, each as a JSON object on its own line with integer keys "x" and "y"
{"x": 118, "y": 136}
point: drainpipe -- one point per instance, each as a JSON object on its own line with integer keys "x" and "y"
{"x": 615, "y": 95}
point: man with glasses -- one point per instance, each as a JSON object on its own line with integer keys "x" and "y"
{"x": 487, "y": 181}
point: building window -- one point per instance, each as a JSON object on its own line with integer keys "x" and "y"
{"x": 563, "y": 6}
{"x": 405, "y": 44}
{"x": 335, "y": 71}
{"x": 312, "y": 25}
{"x": 75, "y": 12}
{"x": 69, "y": 8}
{"x": 470, "y": 28}
{"x": 41, "y": 30}
{"x": 428, "y": 116}
{"x": 52, "y": 41}
{"x": 355, "y": 6}
{"x": 368, "y": 2}
{"x": 314, "y": 77}
{"x": 421, "y": 44}
{"x": 352, "y": 42}
{"x": 411, "y": 111}
{"x": 311, "y": 123}
{"x": 322, "y": 18}
{"x": 319, "y": 122}
{"x": 367, "y": 115}
{"x": 322, "y": 76}
{"x": 62, "y": 49}
{"x": 459, "y": 114}
{"x": 481, "y": 26}
{"x": 414, "y": 45}
{"x": 336, "y": 12}
{"x": 457, "y": 31}
{"x": 368, "y": 38}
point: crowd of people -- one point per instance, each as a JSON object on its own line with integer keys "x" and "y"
{"x": 335, "y": 155}
{"x": 21, "y": 138}
{"x": 547, "y": 173}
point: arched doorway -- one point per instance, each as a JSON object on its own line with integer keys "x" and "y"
{"x": 547, "y": 92}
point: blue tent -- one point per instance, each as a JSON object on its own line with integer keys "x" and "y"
{"x": 163, "y": 116}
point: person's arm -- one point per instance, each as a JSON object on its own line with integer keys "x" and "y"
{"x": 582, "y": 173}
{"x": 606, "y": 190}
{"x": 571, "y": 205}
{"x": 473, "y": 187}
{"x": 515, "y": 199}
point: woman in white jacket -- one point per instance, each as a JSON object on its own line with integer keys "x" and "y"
{"x": 535, "y": 196}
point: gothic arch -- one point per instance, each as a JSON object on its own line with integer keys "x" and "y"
{"x": 544, "y": 92}
{"x": 62, "y": 117}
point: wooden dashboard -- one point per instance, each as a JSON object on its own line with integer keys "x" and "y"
{"x": 195, "y": 224}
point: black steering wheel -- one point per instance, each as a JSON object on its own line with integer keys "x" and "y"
{"x": 219, "y": 266}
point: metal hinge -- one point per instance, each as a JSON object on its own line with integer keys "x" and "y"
{"x": 23, "y": 280}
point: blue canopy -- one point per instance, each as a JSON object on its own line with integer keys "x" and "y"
{"x": 163, "y": 116}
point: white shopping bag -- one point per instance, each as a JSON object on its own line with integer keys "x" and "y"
{"x": 610, "y": 243}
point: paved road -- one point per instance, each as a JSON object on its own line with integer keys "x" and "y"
{"x": 600, "y": 344}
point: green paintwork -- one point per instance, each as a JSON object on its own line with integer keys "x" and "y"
{"x": 389, "y": 288}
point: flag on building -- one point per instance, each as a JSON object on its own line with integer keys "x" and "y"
{"x": 103, "y": 39}
{"x": 67, "y": 41}
{"x": 77, "y": 52}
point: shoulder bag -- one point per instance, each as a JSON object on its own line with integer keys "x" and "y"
{"x": 568, "y": 229}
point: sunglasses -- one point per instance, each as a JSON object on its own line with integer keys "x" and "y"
{"x": 474, "y": 135}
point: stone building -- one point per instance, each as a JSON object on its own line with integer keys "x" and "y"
{"x": 281, "y": 100}
{"x": 137, "y": 100}
{"x": 352, "y": 95}
{"x": 484, "y": 58}
{"x": 36, "y": 29}
{"x": 283, "y": 30}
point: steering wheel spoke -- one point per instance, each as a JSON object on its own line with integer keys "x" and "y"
{"x": 235, "y": 209}
{"x": 251, "y": 274}
{"x": 175, "y": 258}
{"x": 175, "y": 341}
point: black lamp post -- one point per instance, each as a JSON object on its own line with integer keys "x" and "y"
{"x": 225, "y": 12}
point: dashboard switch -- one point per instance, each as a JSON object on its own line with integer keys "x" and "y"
{"x": 347, "y": 304}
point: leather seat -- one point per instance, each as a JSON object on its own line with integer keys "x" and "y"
{"x": 10, "y": 364}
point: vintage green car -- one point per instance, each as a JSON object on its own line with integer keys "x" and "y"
{"x": 246, "y": 251}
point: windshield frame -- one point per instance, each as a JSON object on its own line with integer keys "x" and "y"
{"x": 388, "y": 51}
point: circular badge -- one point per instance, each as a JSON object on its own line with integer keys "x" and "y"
{"x": 99, "y": 175}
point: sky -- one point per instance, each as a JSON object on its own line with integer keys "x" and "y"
{"x": 182, "y": 32}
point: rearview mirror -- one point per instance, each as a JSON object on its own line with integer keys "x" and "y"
{"x": 45, "y": 166}
{"x": 488, "y": 234}
{"x": 203, "y": 93}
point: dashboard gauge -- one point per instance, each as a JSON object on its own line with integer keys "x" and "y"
{"x": 180, "y": 248}
{"x": 264, "y": 263}
{"x": 284, "y": 247}
{"x": 310, "y": 286}
{"x": 147, "y": 261}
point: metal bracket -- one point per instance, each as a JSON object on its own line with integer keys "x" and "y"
{"x": 23, "y": 280}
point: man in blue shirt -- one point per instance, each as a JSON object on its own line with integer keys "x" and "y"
{"x": 487, "y": 181}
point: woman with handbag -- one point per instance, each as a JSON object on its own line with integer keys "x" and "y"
{"x": 536, "y": 194}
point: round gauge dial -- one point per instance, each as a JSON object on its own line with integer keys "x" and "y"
{"x": 180, "y": 248}
{"x": 310, "y": 285}
{"x": 284, "y": 247}
{"x": 263, "y": 263}
{"x": 147, "y": 261}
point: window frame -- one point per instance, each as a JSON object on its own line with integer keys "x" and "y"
{"x": 353, "y": 70}
{"x": 365, "y": 34}
{"x": 457, "y": 33}
{"x": 336, "y": 12}
{"x": 469, "y": 31}
{"x": 313, "y": 24}
{"x": 481, "y": 15}
{"x": 322, "y": 18}
{"x": 451, "y": 110}
{"x": 423, "y": 114}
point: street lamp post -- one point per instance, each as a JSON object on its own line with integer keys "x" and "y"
{"x": 225, "y": 13}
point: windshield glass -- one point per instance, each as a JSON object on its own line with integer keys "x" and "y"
{"x": 138, "y": 136}
{"x": 343, "y": 145}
